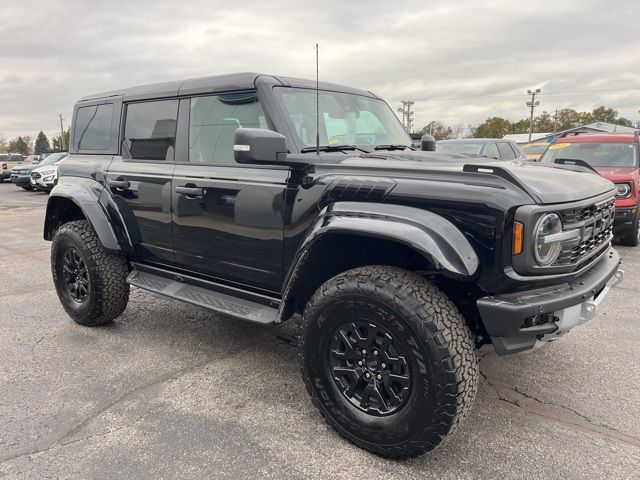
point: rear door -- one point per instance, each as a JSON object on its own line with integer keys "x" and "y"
{"x": 139, "y": 179}
{"x": 228, "y": 217}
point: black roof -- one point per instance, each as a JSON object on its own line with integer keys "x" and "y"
{"x": 218, "y": 83}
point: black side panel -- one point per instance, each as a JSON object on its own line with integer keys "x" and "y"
{"x": 144, "y": 202}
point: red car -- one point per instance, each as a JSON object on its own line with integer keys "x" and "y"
{"x": 617, "y": 158}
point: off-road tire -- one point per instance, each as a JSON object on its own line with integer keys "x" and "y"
{"x": 108, "y": 291}
{"x": 632, "y": 238}
{"x": 443, "y": 359}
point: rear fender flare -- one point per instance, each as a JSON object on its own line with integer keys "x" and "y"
{"x": 86, "y": 194}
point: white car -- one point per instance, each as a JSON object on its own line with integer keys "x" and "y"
{"x": 45, "y": 177}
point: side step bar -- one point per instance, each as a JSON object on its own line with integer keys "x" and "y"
{"x": 209, "y": 299}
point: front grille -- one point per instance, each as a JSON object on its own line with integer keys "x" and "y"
{"x": 595, "y": 225}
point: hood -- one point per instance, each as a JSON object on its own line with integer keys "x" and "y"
{"x": 545, "y": 184}
{"x": 616, "y": 174}
{"x": 23, "y": 168}
{"x": 42, "y": 168}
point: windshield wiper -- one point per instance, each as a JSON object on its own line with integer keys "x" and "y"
{"x": 393, "y": 146}
{"x": 333, "y": 148}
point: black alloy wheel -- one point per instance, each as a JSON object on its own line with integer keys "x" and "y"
{"x": 75, "y": 274}
{"x": 370, "y": 367}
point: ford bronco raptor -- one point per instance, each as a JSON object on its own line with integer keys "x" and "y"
{"x": 265, "y": 199}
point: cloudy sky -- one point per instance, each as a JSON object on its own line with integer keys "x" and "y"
{"x": 460, "y": 61}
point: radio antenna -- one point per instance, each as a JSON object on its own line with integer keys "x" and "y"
{"x": 317, "y": 106}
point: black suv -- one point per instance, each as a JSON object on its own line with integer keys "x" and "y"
{"x": 399, "y": 264}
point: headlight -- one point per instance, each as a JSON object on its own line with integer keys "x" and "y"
{"x": 547, "y": 248}
{"x": 623, "y": 190}
{"x": 48, "y": 178}
{"x": 47, "y": 172}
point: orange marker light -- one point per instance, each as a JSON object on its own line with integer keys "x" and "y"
{"x": 518, "y": 238}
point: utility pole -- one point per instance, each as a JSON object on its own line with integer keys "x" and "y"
{"x": 555, "y": 121}
{"x": 405, "y": 109}
{"x": 532, "y": 104}
{"x": 62, "y": 146}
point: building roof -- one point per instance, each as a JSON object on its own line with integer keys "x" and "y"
{"x": 524, "y": 137}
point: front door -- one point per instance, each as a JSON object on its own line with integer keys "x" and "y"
{"x": 139, "y": 180}
{"x": 227, "y": 217}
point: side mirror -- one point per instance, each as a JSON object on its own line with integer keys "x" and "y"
{"x": 428, "y": 143}
{"x": 259, "y": 146}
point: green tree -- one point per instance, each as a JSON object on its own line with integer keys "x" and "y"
{"x": 42, "y": 144}
{"x": 439, "y": 130}
{"x": 56, "y": 141}
{"x": 19, "y": 146}
{"x": 521, "y": 126}
{"x": 492, "y": 127}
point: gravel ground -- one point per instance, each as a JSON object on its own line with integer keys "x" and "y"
{"x": 171, "y": 391}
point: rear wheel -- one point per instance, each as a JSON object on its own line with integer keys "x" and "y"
{"x": 90, "y": 281}
{"x": 632, "y": 238}
{"x": 388, "y": 360}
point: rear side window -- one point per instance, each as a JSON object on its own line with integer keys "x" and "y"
{"x": 491, "y": 151}
{"x": 506, "y": 152}
{"x": 150, "y": 130}
{"x": 93, "y": 127}
{"x": 214, "y": 120}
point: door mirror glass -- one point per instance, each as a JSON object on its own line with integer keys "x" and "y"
{"x": 259, "y": 146}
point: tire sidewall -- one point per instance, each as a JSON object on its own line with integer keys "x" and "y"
{"x": 65, "y": 239}
{"x": 422, "y": 410}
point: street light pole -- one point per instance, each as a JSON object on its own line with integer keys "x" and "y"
{"x": 532, "y": 104}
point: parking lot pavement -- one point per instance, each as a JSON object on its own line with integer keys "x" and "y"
{"x": 172, "y": 391}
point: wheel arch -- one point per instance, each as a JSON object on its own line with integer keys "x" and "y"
{"x": 82, "y": 200}
{"x": 354, "y": 234}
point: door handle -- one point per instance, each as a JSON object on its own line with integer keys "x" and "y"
{"x": 119, "y": 183}
{"x": 192, "y": 192}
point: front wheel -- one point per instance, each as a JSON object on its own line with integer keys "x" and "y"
{"x": 388, "y": 360}
{"x": 90, "y": 281}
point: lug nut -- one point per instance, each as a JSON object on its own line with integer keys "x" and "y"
{"x": 364, "y": 352}
{"x": 384, "y": 365}
{"x": 379, "y": 377}
{"x": 367, "y": 375}
{"x": 360, "y": 363}
{"x": 375, "y": 352}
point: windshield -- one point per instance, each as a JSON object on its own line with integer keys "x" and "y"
{"x": 51, "y": 159}
{"x": 534, "y": 149}
{"x": 4, "y": 158}
{"x": 466, "y": 147}
{"x": 606, "y": 154}
{"x": 345, "y": 119}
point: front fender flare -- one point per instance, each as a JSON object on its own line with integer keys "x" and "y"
{"x": 435, "y": 237}
{"x": 431, "y": 235}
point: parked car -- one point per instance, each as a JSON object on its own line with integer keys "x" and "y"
{"x": 616, "y": 157}
{"x": 218, "y": 192}
{"x": 533, "y": 151}
{"x": 21, "y": 175}
{"x": 496, "y": 148}
{"x": 45, "y": 176}
{"x": 7, "y": 162}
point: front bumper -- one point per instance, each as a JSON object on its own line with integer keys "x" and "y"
{"x": 520, "y": 321}
{"x": 21, "y": 180}
{"x": 4, "y": 174}
{"x": 624, "y": 219}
